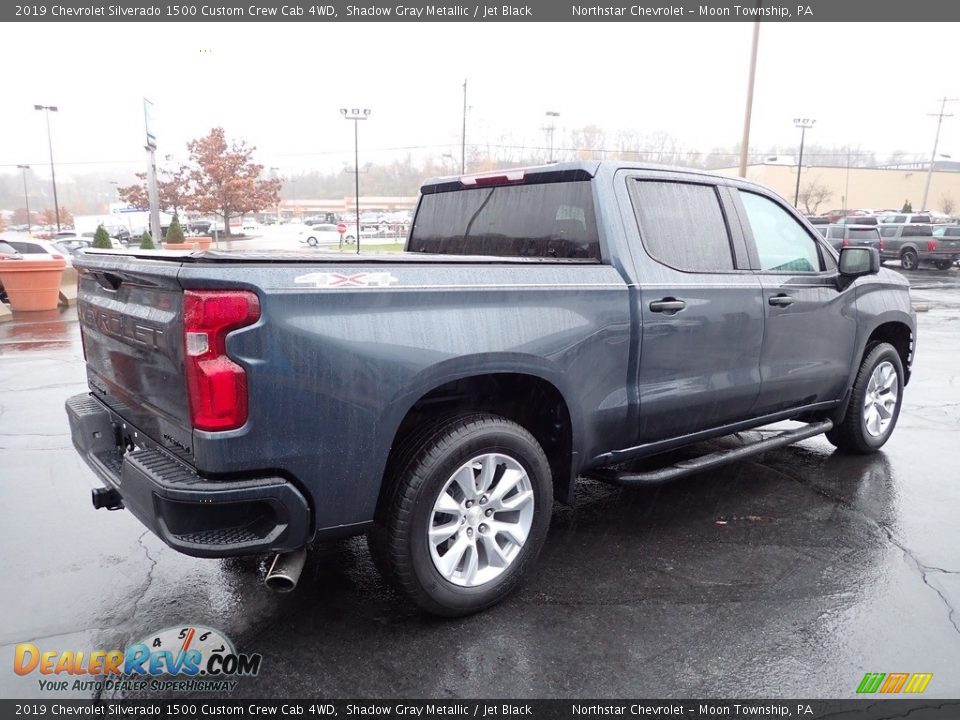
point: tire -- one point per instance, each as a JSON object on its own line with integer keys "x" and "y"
{"x": 425, "y": 493}
{"x": 909, "y": 259}
{"x": 312, "y": 241}
{"x": 349, "y": 239}
{"x": 858, "y": 432}
{"x": 943, "y": 264}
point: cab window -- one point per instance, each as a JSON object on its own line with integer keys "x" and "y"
{"x": 782, "y": 243}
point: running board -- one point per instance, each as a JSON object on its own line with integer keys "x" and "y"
{"x": 708, "y": 462}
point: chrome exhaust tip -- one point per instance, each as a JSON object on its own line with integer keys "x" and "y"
{"x": 285, "y": 570}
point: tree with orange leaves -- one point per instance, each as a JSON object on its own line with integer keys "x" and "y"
{"x": 224, "y": 179}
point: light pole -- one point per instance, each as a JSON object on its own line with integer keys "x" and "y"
{"x": 356, "y": 114}
{"x": 26, "y": 197}
{"x": 47, "y": 109}
{"x": 804, "y": 124}
{"x": 748, "y": 110}
{"x": 550, "y": 129}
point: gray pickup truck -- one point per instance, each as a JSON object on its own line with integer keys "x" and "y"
{"x": 543, "y": 325}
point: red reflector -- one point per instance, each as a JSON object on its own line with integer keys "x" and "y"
{"x": 216, "y": 385}
{"x": 846, "y": 243}
{"x": 502, "y": 178}
{"x": 931, "y": 245}
{"x": 880, "y": 246}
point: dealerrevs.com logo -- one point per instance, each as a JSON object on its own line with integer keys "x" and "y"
{"x": 179, "y": 659}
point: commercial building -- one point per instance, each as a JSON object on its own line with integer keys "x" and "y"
{"x": 856, "y": 187}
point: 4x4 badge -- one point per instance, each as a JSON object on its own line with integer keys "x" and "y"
{"x": 364, "y": 279}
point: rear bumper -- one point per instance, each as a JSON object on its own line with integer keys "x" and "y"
{"x": 192, "y": 514}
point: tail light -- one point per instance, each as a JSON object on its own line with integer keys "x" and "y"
{"x": 931, "y": 245}
{"x": 880, "y": 246}
{"x": 846, "y": 242}
{"x": 216, "y": 385}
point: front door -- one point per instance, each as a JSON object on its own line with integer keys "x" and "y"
{"x": 810, "y": 329}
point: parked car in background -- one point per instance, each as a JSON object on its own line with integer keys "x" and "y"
{"x": 7, "y": 252}
{"x": 841, "y": 235}
{"x": 915, "y": 244}
{"x": 34, "y": 249}
{"x": 817, "y": 219}
{"x": 858, "y": 220}
{"x": 906, "y": 218}
{"x": 325, "y": 234}
{"x": 72, "y": 246}
{"x": 65, "y": 235}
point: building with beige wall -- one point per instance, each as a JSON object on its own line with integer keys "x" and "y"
{"x": 874, "y": 188}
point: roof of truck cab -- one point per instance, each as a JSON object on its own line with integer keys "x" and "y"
{"x": 568, "y": 171}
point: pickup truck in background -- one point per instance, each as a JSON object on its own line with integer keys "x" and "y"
{"x": 544, "y": 324}
{"x": 916, "y": 244}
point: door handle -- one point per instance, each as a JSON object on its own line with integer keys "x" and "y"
{"x": 781, "y": 300}
{"x": 667, "y": 305}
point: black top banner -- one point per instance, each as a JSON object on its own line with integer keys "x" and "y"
{"x": 530, "y": 11}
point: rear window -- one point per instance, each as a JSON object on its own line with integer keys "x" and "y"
{"x": 920, "y": 218}
{"x": 864, "y": 235}
{"x": 548, "y": 220}
{"x": 917, "y": 231}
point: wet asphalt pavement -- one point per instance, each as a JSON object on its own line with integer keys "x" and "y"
{"x": 789, "y": 575}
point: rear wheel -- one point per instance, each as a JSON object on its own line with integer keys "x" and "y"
{"x": 349, "y": 239}
{"x": 943, "y": 264}
{"x": 874, "y": 404}
{"x": 467, "y": 514}
{"x": 312, "y": 241}
{"x": 909, "y": 259}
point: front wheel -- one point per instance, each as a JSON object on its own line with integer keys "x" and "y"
{"x": 874, "y": 404}
{"x": 943, "y": 264}
{"x": 466, "y": 514}
{"x": 909, "y": 260}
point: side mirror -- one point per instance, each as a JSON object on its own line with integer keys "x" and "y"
{"x": 857, "y": 261}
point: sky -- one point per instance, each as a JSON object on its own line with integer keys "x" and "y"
{"x": 279, "y": 86}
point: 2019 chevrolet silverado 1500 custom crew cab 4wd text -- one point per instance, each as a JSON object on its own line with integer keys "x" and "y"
{"x": 544, "y": 324}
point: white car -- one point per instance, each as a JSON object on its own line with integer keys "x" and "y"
{"x": 34, "y": 249}
{"x": 324, "y": 234}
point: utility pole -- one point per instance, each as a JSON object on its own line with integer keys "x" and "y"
{"x": 551, "y": 128}
{"x": 463, "y": 134}
{"x": 936, "y": 141}
{"x": 804, "y": 124}
{"x": 748, "y": 112}
{"x": 26, "y": 196}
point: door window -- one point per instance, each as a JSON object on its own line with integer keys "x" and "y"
{"x": 782, "y": 243}
{"x": 682, "y": 225}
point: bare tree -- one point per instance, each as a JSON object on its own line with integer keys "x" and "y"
{"x": 812, "y": 195}
{"x": 947, "y": 204}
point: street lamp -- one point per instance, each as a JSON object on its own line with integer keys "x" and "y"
{"x": 550, "y": 128}
{"x": 47, "y": 109}
{"x": 26, "y": 197}
{"x": 804, "y": 124}
{"x": 356, "y": 114}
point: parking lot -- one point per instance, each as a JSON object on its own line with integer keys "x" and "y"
{"x": 791, "y": 574}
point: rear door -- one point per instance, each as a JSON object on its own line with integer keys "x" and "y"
{"x": 810, "y": 328}
{"x": 700, "y": 310}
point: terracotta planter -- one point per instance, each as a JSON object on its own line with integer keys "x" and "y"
{"x": 32, "y": 284}
{"x": 190, "y": 243}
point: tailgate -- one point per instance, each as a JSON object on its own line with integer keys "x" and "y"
{"x": 131, "y": 322}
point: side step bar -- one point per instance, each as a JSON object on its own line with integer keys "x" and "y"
{"x": 708, "y": 462}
